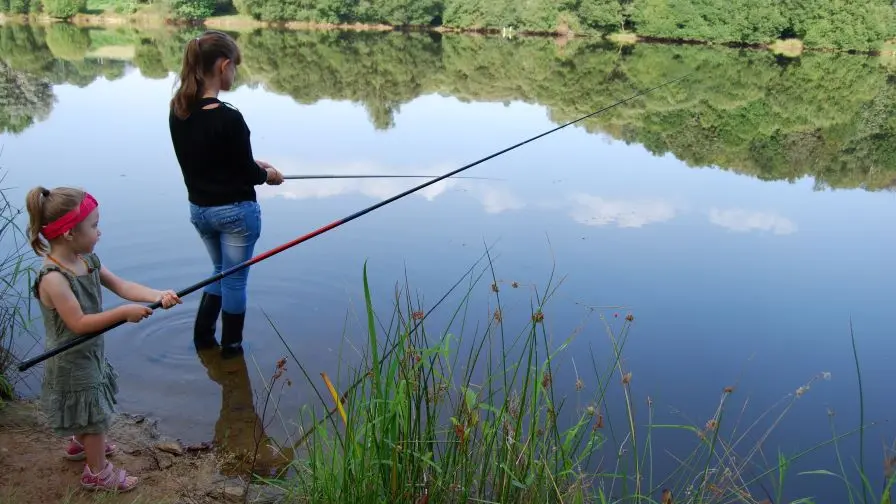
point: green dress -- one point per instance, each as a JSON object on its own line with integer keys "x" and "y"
{"x": 79, "y": 386}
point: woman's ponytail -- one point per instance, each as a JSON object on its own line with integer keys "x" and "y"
{"x": 190, "y": 80}
{"x": 200, "y": 56}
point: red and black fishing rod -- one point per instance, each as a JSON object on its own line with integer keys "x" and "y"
{"x": 308, "y": 177}
{"x": 265, "y": 255}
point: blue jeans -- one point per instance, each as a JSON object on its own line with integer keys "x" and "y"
{"x": 229, "y": 233}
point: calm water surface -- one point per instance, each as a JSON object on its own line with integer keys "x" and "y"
{"x": 739, "y": 215}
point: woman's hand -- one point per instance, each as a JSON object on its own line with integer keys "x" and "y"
{"x": 274, "y": 176}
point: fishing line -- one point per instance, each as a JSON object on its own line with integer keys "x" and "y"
{"x": 274, "y": 251}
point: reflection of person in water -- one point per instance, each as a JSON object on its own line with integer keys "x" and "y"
{"x": 239, "y": 429}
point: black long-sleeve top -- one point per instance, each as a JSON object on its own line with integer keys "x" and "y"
{"x": 215, "y": 154}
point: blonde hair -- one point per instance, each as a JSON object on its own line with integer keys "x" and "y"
{"x": 200, "y": 56}
{"x": 45, "y": 206}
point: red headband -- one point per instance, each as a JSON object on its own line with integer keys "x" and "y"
{"x": 71, "y": 219}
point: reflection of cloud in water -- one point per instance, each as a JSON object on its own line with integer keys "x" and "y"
{"x": 494, "y": 199}
{"x": 744, "y": 221}
{"x": 597, "y": 211}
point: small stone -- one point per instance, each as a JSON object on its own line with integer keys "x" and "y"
{"x": 165, "y": 462}
{"x": 234, "y": 492}
{"x": 172, "y": 447}
{"x": 203, "y": 446}
{"x": 266, "y": 494}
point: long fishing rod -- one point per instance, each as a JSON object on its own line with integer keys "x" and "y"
{"x": 265, "y": 255}
{"x": 305, "y": 177}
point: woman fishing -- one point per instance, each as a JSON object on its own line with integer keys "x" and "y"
{"x": 211, "y": 142}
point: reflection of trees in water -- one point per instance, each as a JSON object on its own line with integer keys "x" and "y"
{"x": 379, "y": 71}
{"x": 148, "y": 58}
{"x": 24, "y": 100}
{"x": 67, "y": 42}
{"x": 32, "y": 59}
{"x": 239, "y": 431}
{"x": 822, "y": 115}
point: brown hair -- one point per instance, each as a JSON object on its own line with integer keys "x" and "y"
{"x": 44, "y": 206}
{"x": 200, "y": 56}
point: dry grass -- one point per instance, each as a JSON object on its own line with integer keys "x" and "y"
{"x": 790, "y": 48}
{"x": 624, "y": 38}
{"x": 118, "y": 52}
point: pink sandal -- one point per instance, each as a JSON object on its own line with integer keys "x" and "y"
{"x": 108, "y": 479}
{"x": 75, "y": 450}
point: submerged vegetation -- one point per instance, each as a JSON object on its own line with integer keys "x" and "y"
{"x": 499, "y": 410}
{"x": 825, "y": 116}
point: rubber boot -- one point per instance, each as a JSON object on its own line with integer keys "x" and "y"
{"x": 206, "y": 319}
{"x": 232, "y": 334}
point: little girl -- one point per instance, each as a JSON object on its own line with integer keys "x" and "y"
{"x": 79, "y": 386}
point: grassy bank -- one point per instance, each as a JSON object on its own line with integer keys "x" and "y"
{"x": 471, "y": 409}
{"x": 15, "y": 276}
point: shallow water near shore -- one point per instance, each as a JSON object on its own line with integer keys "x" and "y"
{"x": 740, "y": 215}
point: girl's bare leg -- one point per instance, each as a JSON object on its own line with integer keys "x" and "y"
{"x": 95, "y": 448}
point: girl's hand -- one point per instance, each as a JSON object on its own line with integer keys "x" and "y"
{"x": 168, "y": 299}
{"x": 263, "y": 164}
{"x": 135, "y": 313}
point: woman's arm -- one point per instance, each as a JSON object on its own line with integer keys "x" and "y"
{"x": 242, "y": 145}
{"x": 135, "y": 292}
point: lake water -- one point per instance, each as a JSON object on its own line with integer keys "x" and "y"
{"x": 740, "y": 215}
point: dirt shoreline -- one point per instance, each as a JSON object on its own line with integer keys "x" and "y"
{"x": 32, "y": 469}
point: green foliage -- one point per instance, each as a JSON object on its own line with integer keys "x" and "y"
{"x": 399, "y": 12}
{"x": 841, "y": 24}
{"x": 835, "y": 24}
{"x": 602, "y": 15}
{"x": 63, "y": 9}
{"x": 745, "y": 21}
{"x": 20, "y": 6}
{"x": 193, "y": 9}
{"x": 322, "y": 11}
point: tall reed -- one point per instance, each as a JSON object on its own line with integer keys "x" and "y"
{"x": 15, "y": 303}
{"x": 473, "y": 413}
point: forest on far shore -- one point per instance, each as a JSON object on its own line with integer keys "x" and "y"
{"x": 828, "y": 24}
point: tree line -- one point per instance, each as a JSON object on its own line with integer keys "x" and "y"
{"x": 841, "y": 24}
{"x": 828, "y": 116}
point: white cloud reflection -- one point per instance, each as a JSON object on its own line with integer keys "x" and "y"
{"x": 597, "y": 211}
{"x": 497, "y": 197}
{"x": 743, "y": 221}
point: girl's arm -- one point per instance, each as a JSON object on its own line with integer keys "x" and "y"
{"x": 60, "y": 296}
{"x": 135, "y": 292}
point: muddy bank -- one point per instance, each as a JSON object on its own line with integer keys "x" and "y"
{"x": 33, "y": 470}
